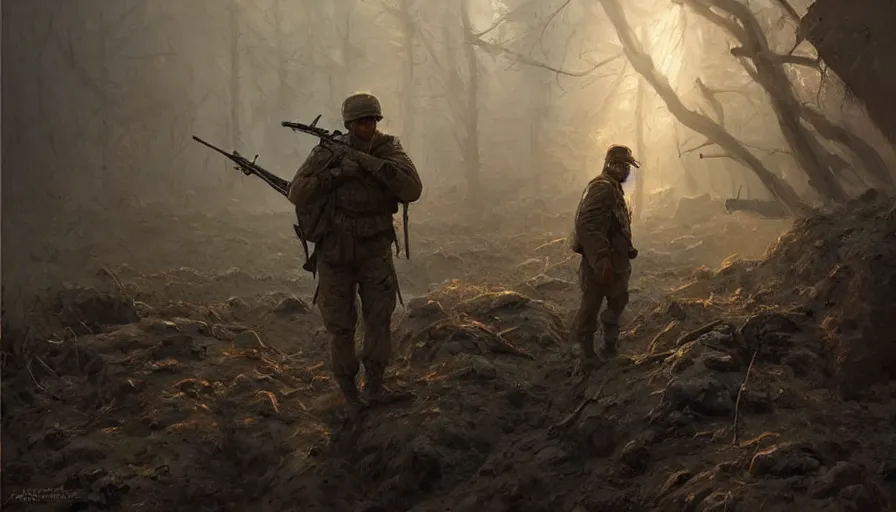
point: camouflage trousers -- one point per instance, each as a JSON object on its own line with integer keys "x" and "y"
{"x": 593, "y": 295}
{"x": 374, "y": 280}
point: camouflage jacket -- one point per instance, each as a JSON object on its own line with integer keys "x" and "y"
{"x": 603, "y": 224}
{"x": 356, "y": 209}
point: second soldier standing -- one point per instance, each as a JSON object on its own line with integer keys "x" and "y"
{"x": 603, "y": 236}
{"x": 362, "y": 190}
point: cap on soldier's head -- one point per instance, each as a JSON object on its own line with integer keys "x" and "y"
{"x": 360, "y": 105}
{"x": 622, "y": 154}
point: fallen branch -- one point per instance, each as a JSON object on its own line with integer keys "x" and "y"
{"x": 555, "y": 429}
{"x": 767, "y": 209}
{"x": 651, "y": 358}
{"x": 696, "y": 333}
{"x": 740, "y": 392}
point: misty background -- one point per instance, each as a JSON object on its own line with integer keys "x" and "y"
{"x": 502, "y": 104}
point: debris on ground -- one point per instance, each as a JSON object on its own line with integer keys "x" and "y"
{"x": 750, "y": 382}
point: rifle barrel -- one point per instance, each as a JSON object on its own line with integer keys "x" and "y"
{"x": 212, "y": 146}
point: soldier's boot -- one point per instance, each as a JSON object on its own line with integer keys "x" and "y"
{"x": 376, "y": 393}
{"x": 588, "y": 360}
{"x": 354, "y": 405}
{"x": 611, "y": 340}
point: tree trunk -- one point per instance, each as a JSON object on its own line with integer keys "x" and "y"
{"x": 640, "y": 149}
{"x": 643, "y": 64}
{"x": 471, "y": 155}
{"x": 282, "y": 81}
{"x": 235, "y": 135}
{"x": 408, "y": 67}
{"x": 864, "y": 152}
{"x": 107, "y": 181}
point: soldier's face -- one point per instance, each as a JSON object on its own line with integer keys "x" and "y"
{"x": 363, "y": 129}
{"x": 620, "y": 171}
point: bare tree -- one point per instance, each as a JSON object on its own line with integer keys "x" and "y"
{"x": 459, "y": 68}
{"x": 643, "y": 64}
{"x": 406, "y": 15}
{"x": 640, "y": 149}
{"x": 235, "y": 63}
{"x": 767, "y": 68}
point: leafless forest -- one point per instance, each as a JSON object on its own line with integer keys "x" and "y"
{"x": 763, "y": 210}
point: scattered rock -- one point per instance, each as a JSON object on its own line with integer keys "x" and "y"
{"x": 635, "y": 456}
{"x": 595, "y": 435}
{"x": 292, "y": 306}
{"x": 178, "y": 346}
{"x": 222, "y": 333}
{"x": 79, "y": 307}
{"x": 784, "y": 460}
{"x": 842, "y": 475}
{"x": 237, "y": 304}
{"x": 769, "y": 333}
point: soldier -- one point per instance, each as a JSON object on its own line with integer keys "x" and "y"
{"x": 358, "y": 191}
{"x": 602, "y": 235}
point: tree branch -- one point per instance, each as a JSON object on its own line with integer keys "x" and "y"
{"x": 644, "y": 65}
{"x": 791, "y": 12}
{"x": 705, "y": 10}
{"x": 503, "y": 19}
{"x": 493, "y": 48}
{"x": 709, "y": 94}
{"x": 797, "y": 60}
{"x": 701, "y": 146}
{"x": 719, "y": 155}
{"x": 552, "y": 16}
{"x": 772, "y": 77}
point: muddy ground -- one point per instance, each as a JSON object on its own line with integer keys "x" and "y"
{"x": 182, "y": 368}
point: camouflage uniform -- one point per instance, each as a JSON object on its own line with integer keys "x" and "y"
{"x": 354, "y": 252}
{"x": 603, "y": 230}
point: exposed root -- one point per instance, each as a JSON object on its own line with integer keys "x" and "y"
{"x": 740, "y": 392}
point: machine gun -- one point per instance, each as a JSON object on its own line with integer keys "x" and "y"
{"x": 326, "y": 138}
{"x": 250, "y": 168}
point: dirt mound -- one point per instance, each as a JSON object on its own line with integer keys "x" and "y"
{"x": 127, "y": 411}
{"x": 210, "y": 390}
{"x": 489, "y": 323}
{"x": 839, "y": 270}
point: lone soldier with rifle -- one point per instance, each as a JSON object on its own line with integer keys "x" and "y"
{"x": 346, "y": 193}
{"x": 603, "y": 236}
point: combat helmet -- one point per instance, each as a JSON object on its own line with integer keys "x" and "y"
{"x": 360, "y": 105}
{"x": 621, "y": 154}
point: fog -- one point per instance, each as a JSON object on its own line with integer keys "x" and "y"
{"x": 163, "y": 347}
{"x": 498, "y": 102}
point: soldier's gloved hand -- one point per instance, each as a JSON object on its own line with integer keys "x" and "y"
{"x": 334, "y": 150}
{"x": 632, "y": 253}
{"x": 350, "y": 168}
{"x": 604, "y": 270}
{"x": 368, "y": 162}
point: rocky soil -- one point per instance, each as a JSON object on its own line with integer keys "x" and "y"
{"x": 195, "y": 377}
